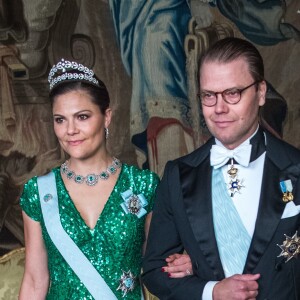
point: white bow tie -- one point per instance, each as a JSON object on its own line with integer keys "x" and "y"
{"x": 220, "y": 155}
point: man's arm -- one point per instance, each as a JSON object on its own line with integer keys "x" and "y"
{"x": 163, "y": 240}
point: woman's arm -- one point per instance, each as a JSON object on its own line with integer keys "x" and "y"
{"x": 36, "y": 276}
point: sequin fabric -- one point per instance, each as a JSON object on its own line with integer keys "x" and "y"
{"x": 113, "y": 246}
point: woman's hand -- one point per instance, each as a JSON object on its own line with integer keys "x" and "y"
{"x": 178, "y": 266}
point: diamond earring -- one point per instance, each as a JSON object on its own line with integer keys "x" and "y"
{"x": 106, "y": 132}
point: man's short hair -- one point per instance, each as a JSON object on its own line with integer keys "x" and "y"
{"x": 229, "y": 49}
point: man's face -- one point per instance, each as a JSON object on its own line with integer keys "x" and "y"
{"x": 231, "y": 124}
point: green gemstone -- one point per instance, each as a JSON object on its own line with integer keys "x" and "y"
{"x": 104, "y": 175}
{"x": 112, "y": 169}
{"x": 79, "y": 179}
{"x": 91, "y": 179}
{"x": 70, "y": 174}
{"x": 117, "y": 163}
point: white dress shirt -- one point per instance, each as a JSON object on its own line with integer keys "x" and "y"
{"x": 246, "y": 201}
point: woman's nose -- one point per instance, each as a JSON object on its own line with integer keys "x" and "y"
{"x": 72, "y": 128}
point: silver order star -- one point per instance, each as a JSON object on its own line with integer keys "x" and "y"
{"x": 127, "y": 283}
{"x": 290, "y": 247}
{"x": 235, "y": 186}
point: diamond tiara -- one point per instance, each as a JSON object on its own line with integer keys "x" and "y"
{"x": 70, "y": 70}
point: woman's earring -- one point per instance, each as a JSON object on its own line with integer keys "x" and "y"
{"x": 106, "y": 132}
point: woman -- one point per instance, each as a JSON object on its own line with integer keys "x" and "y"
{"x": 84, "y": 221}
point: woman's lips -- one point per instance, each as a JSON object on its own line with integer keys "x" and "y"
{"x": 75, "y": 143}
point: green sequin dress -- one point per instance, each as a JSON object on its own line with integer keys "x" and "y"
{"x": 115, "y": 244}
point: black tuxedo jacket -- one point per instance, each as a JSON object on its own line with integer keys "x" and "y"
{"x": 182, "y": 220}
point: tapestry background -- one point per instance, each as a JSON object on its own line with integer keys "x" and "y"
{"x": 146, "y": 51}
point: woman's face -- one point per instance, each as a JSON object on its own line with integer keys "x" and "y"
{"x": 79, "y": 124}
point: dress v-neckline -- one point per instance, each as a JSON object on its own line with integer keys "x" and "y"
{"x": 92, "y": 230}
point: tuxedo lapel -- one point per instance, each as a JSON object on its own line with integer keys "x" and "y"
{"x": 196, "y": 190}
{"x": 271, "y": 206}
{"x": 269, "y": 214}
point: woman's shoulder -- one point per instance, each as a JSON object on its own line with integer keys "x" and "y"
{"x": 140, "y": 173}
{"x": 30, "y": 200}
{"x": 32, "y": 183}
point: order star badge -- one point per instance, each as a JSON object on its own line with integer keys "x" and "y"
{"x": 234, "y": 184}
{"x": 127, "y": 282}
{"x": 290, "y": 247}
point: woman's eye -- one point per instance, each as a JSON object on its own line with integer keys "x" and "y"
{"x": 83, "y": 117}
{"x": 58, "y": 120}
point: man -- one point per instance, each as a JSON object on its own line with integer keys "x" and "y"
{"x": 234, "y": 203}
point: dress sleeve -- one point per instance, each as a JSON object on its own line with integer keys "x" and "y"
{"x": 150, "y": 192}
{"x": 30, "y": 201}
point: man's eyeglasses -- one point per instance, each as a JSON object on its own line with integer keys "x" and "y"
{"x": 230, "y": 96}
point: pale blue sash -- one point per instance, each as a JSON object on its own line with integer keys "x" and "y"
{"x": 232, "y": 237}
{"x": 82, "y": 267}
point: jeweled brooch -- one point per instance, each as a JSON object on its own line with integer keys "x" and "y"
{"x": 287, "y": 188}
{"x": 134, "y": 204}
{"x": 127, "y": 282}
{"x": 48, "y": 197}
{"x": 234, "y": 184}
{"x": 290, "y": 247}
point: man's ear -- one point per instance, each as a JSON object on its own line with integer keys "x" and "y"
{"x": 262, "y": 90}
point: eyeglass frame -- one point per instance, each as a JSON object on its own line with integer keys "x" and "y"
{"x": 222, "y": 93}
